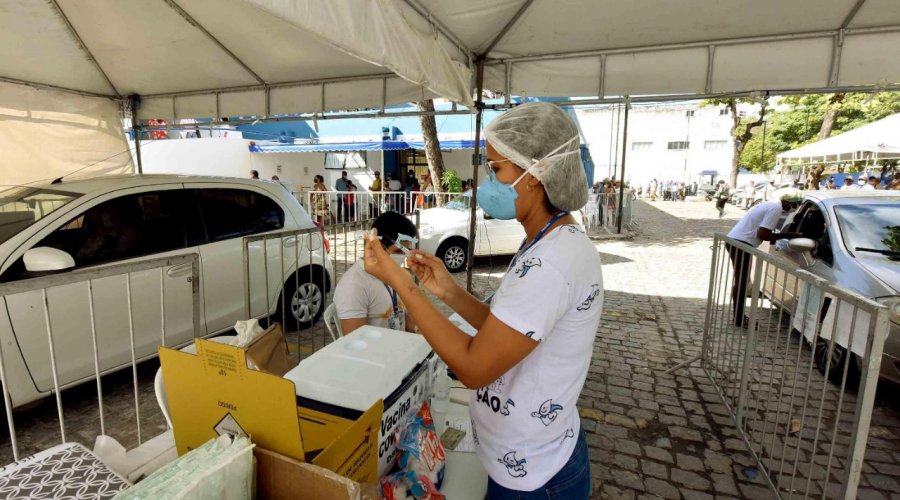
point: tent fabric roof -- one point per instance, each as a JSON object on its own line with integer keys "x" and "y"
{"x": 875, "y": 141}
{"x": 215, "y": 58}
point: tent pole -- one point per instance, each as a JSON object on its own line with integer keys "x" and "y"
{"x": 476, "y": 162}
{"x": 136, "y": 133}
{"x": 622, "y": 175}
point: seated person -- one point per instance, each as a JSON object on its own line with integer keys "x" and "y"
{"x": 360, "y": 298}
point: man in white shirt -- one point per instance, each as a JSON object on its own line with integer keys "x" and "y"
{"x": 848, "y": 184}
{"x": 362, "y": 299}
{"x": 756, "y": 226}
{"x": 872, "y": 185}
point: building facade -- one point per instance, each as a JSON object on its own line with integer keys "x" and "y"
{"x": 681, "y": 141}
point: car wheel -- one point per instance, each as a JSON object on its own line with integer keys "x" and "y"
{"x": 454, "y": 253}
{"x": 304, "y": 299}
{"x": 834, "y": 369}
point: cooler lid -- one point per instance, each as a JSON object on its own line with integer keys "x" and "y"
{"x": 357, "y": 369}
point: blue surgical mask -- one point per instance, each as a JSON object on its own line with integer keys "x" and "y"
{"x": 497, "y": 199}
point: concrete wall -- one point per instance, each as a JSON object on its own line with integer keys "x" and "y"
{"x": 231, "y": 157}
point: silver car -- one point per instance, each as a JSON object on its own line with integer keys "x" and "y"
{"x": 857, "y": 246}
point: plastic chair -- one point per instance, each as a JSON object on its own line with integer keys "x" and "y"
{"x": 332, "y": 323}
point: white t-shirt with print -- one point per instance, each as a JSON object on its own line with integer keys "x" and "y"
{"x": 525, "y": 424}
{"x": 360, "y": 295}
{"x": 763, "y": 215}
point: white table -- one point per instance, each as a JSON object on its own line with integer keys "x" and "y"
{"x": 464, "y": 476}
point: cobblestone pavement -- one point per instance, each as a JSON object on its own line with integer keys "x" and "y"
{"x": 651, "y": 434}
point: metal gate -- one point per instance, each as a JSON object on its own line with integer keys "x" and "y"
{"x": 796, "y": 360}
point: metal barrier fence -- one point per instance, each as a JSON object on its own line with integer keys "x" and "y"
{"x": 74, "y": 327}
{"x": 290, "y": 276}
{"x": 330, "y": 207}
{"x": 602, "y": 211}
{"x": 800, "y": 398}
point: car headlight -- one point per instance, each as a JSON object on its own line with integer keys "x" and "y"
{"x": 893, "y": 304}
{"x": 425, "y": 229}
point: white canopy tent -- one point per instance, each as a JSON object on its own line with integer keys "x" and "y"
{"x": 264, "y": 58}
{"x": 870, "y": 143}
{"x": 221, "y": 58}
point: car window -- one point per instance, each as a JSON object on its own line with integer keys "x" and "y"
{"x": 231, "y": 213}
{"x": 21, "y": 207}
{"x": 870, "y": 228}
{"x": 812, "y": 226}
{"x": 118, "y": 229}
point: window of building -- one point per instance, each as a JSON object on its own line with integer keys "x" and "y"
{"x": 641, "y": 146}
{"x": 415, "y": 160}
{"x": 723, "y": 112}
{"x": 345, "y": 160}
{"x": 713, "y": 145}
{"x": 742, "y": 114}
{"x": 689, "y": 113}
{"x": 231, "y": 213}
{"x": 679, "y": 145}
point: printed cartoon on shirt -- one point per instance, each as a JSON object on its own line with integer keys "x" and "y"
{"x": 570, "y": 433}
{"x": 514, "y": 466}
{"x": 548, "y": 412}
{"x": 527, "y": 265}
{"x": 492, "y": 396}
{"x": 589, "y": 301}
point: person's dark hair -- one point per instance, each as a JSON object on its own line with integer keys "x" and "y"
{"x": 389, "y": 224}
{"x": 254, "y": 174}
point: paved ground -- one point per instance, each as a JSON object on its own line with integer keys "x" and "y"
{"x": 651, "y": 435}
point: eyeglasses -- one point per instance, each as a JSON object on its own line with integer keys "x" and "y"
{"x": 489, "y": 166}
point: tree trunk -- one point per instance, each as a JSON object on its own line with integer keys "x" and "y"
{"x": 736, "y": 144}
{"x": 830, "y": 116}
{"x": 432, "y": 147}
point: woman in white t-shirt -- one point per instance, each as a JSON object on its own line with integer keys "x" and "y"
{"x": 531, "y": 353}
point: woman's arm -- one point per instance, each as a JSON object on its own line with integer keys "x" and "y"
{"x": 434, "y": 277}
{"x": 476, "y": 361}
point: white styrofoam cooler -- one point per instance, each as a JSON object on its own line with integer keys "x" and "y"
{"x": 347, "y": 376}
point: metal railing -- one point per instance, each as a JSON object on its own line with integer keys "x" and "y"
{"x": 797, "y": 368}
{"x": 290, "y": 276}
{"x": 602, "y": 211}
{"x": 61, "y": 301}
{"x": 331, "y": 207}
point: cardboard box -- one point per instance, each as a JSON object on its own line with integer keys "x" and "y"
{"x": 213, "y": 392}
{"x": 269, "y": 352}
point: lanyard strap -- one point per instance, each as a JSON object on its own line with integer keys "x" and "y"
{"x": 393, "y": 294}
{"x": 538, "y": 236}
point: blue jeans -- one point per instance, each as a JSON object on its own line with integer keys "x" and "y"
{"x": 573, "y": 481}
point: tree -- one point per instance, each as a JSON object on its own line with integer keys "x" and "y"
{"x": 432, "y": 146}
{"x": 831, "y": 115}
{"x": 741, "y": 130}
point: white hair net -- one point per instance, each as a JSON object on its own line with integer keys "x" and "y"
{"x": 541, "y": 138}
{"x": 788, "y": 194}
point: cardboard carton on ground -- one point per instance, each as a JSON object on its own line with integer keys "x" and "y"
{"x": 213, "y": 392}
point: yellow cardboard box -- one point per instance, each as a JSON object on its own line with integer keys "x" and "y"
{"x": 213, "y": 392}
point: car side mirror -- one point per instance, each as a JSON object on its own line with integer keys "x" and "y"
{"x": 801, "y": 245}
{"x": 45, "y": 259}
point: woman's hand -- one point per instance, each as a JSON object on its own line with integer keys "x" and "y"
{"x": 432, "y": 274}
{"x": 378, "y": 262}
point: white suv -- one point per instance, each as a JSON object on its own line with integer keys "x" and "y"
{"x": 120, "y": 219}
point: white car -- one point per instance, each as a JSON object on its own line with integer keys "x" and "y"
{"x": 120, "y": 219}
{"x": 444, "y": 232}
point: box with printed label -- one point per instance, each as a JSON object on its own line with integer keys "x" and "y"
{"x": 213, "y": 392}
{"x": 336, "y": 384}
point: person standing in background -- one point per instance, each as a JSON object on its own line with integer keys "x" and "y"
{"x": 340, "y": 186}
{"x": 254, "y": 175}
{"x": 376, "y": 189}
{"x": 895, "y": 184}
{"x": 721, "y": 197}
{"x": 848, "y": 184}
